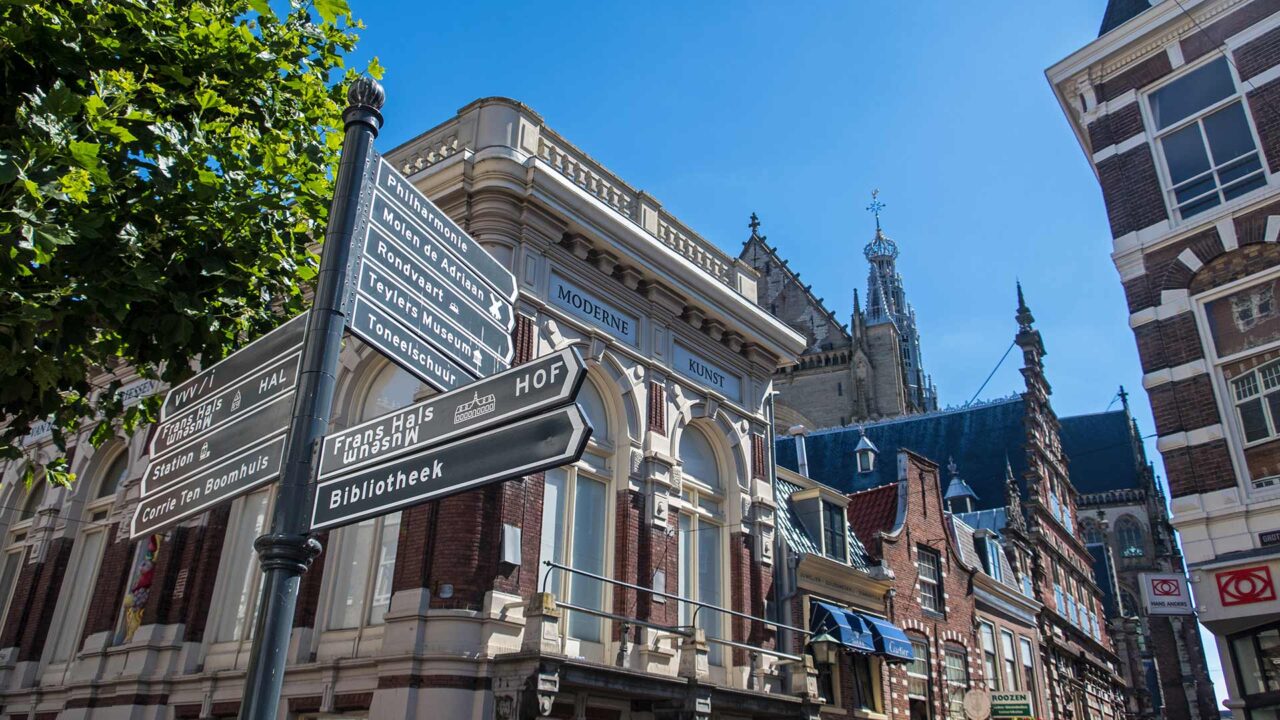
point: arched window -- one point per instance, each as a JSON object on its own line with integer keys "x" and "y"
{"x": 575, "y": 512}
{"x": 701, "y": 535}
{"x": 362, "y": 557}
{"x": 82, "y": 572}
{"x": 1129, "y": 537}
{"x": 23, "y": 504}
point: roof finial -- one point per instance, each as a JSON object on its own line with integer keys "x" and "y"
{"x": 1124, "y": 398}
{"x": 951, "y": 467}
{"x": 1024, "y": 316}
{"x": 754, "y": 225}
{"x": 876, "y": 206}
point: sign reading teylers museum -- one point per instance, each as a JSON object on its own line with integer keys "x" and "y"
{"x": 596, "y": 312}
{"x": 221, "y": 432}
{"x": 426, "y": 294}
{"x": 707, "y": 373}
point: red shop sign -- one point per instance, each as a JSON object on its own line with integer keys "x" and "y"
{"x": 1245, "y": 586}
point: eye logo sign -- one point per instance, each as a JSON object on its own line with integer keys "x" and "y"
{"x": 1245, "y": 586}
{"x": 1164, "y": 587}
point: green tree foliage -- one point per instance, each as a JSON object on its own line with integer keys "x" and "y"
{"x": 164, "y": 165}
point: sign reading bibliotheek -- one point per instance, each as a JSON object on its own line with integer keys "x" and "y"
{"x": 1166, "y": 594}
{"x": 221, "y": 433}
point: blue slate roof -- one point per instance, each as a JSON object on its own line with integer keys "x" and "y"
{"x": 978, "y": 438}
{"x": 1100, "y": 454}
{"x": 798, "y": 539}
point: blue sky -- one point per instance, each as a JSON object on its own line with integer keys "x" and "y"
{"x": 796, "y": 111}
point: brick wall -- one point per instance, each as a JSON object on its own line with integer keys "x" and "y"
{"x": 925, "y": 525}
{"x": 1267, "y": 121}
{"x": 1258, "y": 54}
{"x": 1131, "y": 191}
{"x": 1210, "y": 37}
{"x": 37, "y": 615}
{"x": 1198, "y": 468}
{"x": 1140, "y": 75}
{"x": 1115, "y": 127}
{"x": 1168, "y": 343}
{"x": 1184, "y": 405}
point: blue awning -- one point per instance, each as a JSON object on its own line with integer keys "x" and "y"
{"x": 844, "y": 627}
{"x": 889, "y": 639}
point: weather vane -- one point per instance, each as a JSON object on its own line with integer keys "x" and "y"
{"x": 876, "y": 206}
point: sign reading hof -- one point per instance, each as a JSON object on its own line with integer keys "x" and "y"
{"x": 707, "y": 373}
{"x": 526, "y": 389}
{"x": 595, "y": 311}
{"x": 427, "y": 295}
{"x": 221, "y": 433}
{"x": 1166, "y": 594}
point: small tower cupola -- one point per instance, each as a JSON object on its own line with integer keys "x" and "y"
{"x": 960, "y": 498}
{"x": 865, "y": 453}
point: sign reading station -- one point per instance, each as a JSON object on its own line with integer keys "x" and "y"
{"x": 548, "y": 382}
{"x": 593, "y": 310}
{"x": 707, "y": 373}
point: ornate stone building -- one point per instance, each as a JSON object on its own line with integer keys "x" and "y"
{"x": 868, "y": 369}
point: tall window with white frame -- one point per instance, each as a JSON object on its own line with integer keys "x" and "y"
{"x": 1201, "y": 126}
{"x": 575, "y": 512}
{"x": 1027, "y": 653}
{"x": 91, "y": 539}
{"x": 835, "y": 540}
{"x": 1009, "y": 654}
{"x": 23, "y": 505}
{"x": 956, "y": 668}
{"x": 236, "y": 597}
{"x": 701, "y": 536}
{"x": 1257, "y": 398}
{"x": 929, "y": 566}
{"x": 920, "y": 681}
{"x": 362, "y": 557}
{"x": 987, "y": 633}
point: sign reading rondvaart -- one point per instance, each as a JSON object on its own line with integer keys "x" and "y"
{"x": 427, "y": 295}
{"x": 221, "y": 433}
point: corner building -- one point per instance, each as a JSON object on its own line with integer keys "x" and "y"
{"x": 1177, "y": 108}
{"x": 448, "y": 609}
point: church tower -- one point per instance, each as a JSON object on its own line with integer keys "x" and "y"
{"x": 869, "y": 369}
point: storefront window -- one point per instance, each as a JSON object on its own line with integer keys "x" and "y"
{"x": 1257, "y": 661}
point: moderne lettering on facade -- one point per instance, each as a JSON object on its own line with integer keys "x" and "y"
{"x": 593, "y": 309}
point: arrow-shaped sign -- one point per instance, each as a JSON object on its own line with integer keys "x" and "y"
{"x": 544, "y": 383}
{"x": 528, "y": 446}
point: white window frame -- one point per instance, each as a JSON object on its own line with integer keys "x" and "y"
{"x": 16, "y": 536}
{"x": 94, "y": 520}
{"x": 231, "y": 653}
{"x": 1009, "y": 660}
{"x": 955, "y": 688}
{"x": 699, "y": 504}
{"x": 990, "y": 655}
{"x": 923, "y": 551}
{"x": 1233, "y": 433}
{"x": 1157, "y": 151}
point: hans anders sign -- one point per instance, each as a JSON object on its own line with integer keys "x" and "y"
{"x": 1166, "y": 594}
{"x": 707, "y": 373}
{"x": 594, "y": 311}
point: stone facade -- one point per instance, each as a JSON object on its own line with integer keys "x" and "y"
{"x": 1197, "y": 258}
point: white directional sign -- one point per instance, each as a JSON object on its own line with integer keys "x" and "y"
{"x": 222, "y": 432}
{"x": 426, "y": 294}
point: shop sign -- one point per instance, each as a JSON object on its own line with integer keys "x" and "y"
{"x": 1269, "y": 538}
{"x": 1245, "y": 586}
{"x": 1166, "y": 594}
{"x": 1009, "y": 705}
{"x": 593, "y": 310}
{"x": 707, "y": 373}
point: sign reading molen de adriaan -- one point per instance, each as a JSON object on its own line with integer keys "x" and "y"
{"x": 542, "y": 384}
{"x": 222, "y": 431}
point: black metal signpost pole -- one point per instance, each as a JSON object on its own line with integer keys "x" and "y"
{"x": 286, "y": 552}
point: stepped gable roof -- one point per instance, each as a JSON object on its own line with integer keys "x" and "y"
{"x": 1099, "y": 451}
{"x": 795, "y": 535}
{"x": 1119, "y": 12}
{"x": 783, "y": 265}
{"x": 872, "y": 512}
{"x": 980, "y": 437}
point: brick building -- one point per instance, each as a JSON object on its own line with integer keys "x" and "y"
{"x": 1017, "y": 491}
{"x": 1175, "y": 107}
{"x": 422, "y": 613}
{"x": 868, "y": 369}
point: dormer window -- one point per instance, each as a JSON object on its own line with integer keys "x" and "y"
{"x": 835, "y": 540}
{"x": 865, "y": 454}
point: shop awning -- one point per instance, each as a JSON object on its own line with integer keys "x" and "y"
{"x": 842, "y": 626}
{"x": 889, "y": 639}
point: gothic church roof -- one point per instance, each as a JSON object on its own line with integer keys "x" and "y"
{"x": 1119, "y": 12}
{"x": 756, "y": 251}
{"x": 1100, "y": 452}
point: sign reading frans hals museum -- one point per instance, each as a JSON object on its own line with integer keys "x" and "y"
{"x": 707, "y": 373}
{"x": 593, "y": 310}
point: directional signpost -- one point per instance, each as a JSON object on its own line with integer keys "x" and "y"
{"x": 221, "y": 433}
{"x": 408, "y": 281}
